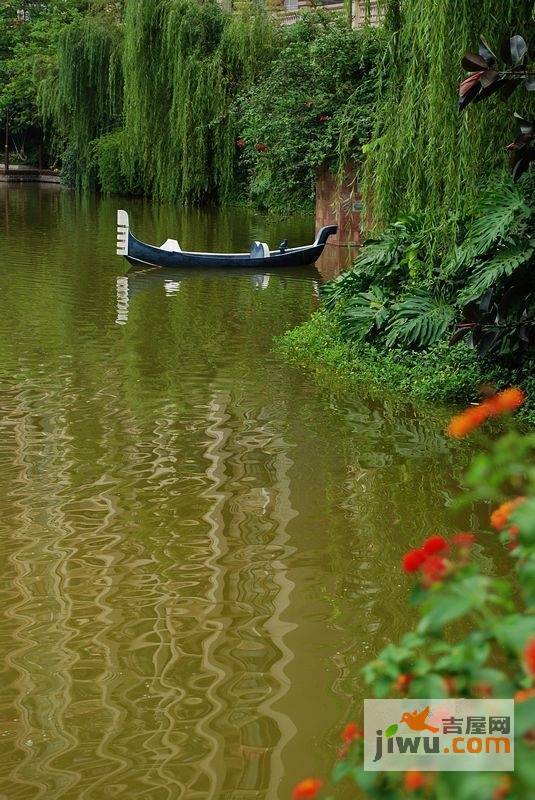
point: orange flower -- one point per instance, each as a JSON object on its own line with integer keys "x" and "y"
{"x": 307, "y": 788}
{"x": 524, "y": 694}
{"x": 529, "y": 658}
{"x": 500, "y": 516}
{"x": 462, "y": 424}
{"x": 501, "y": 403}
{"x": 351, "y": 732}
{"x": 508, "y": 400}
{"x": 414, "y": 780}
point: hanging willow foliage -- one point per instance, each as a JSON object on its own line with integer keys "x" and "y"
{"x": 81, "y": 97}
{"x": 425, "y": 157}
{"x": 184, "y": 62}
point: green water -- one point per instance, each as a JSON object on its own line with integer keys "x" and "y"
{"x": 199, "y": 547}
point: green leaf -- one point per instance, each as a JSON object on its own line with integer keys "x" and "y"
{"x": 430, "y": 685}
{"x": 445, "y": 608}
{"x": 500, "y": 266}
{"x": 524, "y": 717}
{"x": 341, "y": 770}
{"x": 366, "y": 312}
{"x": 514, "y": 631}
{"x": 391, "y": 730}
{"x": 421, "y": 319}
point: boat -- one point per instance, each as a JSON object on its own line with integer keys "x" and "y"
{"x": 170, "y": 254}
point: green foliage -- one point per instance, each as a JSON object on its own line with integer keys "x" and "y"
{"x": 439, "y": 374}
{"x": 81, "y": 95}
{"x": 27, "y": 49}
{"x": 425, "y": 158}
{"x": 389, "y": 261}
{"x": 365, "y": 313}
{"x": 421, "y": 319}
{"x": 112, "y": 169}
{"x": 499, "y": 213}
{"x": 313, "y": 105}
{"x": 488, "y": 274}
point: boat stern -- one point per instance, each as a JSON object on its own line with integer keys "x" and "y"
{"x": 123, "y": 230}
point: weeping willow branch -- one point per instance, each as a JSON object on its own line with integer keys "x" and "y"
{"x": 81, "y": 98}
{"x": 424, "y": 156}
{"x": 184, "y": 63}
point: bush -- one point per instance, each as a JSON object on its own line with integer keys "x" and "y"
{"x": 442, "y": 373}
{"x": 314, "y": 104}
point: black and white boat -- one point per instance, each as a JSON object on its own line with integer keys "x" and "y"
{"x": 170, "y": 253}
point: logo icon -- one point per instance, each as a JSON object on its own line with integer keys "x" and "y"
{"x": 439, "y": 735}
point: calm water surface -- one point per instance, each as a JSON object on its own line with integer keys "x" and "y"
{"x": 199, "y": 546}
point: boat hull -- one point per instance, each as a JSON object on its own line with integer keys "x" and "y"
{"x": 170, "y": 255}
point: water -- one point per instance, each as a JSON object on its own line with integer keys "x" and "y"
{"x": 200, "y": 547}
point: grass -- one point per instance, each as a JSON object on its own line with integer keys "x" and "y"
{"x": 442, "y": 374}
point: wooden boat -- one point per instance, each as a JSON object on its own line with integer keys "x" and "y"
{"x": 260, "y": 256}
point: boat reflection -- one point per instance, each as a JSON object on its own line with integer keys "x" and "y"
{"x": 171, "y": 280}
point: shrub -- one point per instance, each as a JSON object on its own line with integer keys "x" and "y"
{"x": 313, "y": 105}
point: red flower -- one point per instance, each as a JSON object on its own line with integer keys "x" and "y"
{"x": 351, "y": 732}
{"x": 307, "y": 788}
{"x": 434, "y": 569}
{"x": 435, "y": 544}
{"x": 414, "y": 780}
{"x": 323, "y": 118}
{"x": 403, "y": 682}
{"x": 261, "y": 147}
{"x": 463, "y": 539}
{"x": 529, "y": 658}
{"x": 413, "y": 560}
{"x": 240, "y": 143}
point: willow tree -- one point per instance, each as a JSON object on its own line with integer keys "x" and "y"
{"x": 184, "y": 62}
{"x": 81, "y": 96}
{"x": 425, "y": 157}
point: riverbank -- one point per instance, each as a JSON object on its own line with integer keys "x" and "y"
{"x": 441, "y": 374}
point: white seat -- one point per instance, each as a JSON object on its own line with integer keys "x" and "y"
{"x": 172, "y": 245}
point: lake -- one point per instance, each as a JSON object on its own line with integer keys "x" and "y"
{"x": 200, "y": 543}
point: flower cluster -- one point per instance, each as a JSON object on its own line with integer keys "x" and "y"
{"x": 429, "y": 560}
{"x": 502, "y": 403}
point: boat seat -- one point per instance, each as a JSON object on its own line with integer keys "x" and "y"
{"x": 172, "y": 245}
{"x": 259, "y": 250}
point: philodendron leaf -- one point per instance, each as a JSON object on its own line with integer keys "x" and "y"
{"x": 391, "y": 730}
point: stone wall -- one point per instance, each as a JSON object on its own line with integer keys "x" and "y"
{"x": 338, "y": 204}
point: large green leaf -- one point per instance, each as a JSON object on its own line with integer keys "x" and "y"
{"x": 493, "y": 270}
{"x": 367, "y": 312}
{"x": 421, "y": 319}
